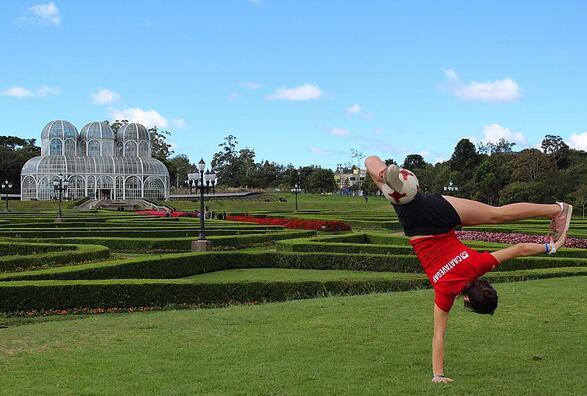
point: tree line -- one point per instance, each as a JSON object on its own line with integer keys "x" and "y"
{"x": 492, "y": 173}
{"x": 495, "y": 174}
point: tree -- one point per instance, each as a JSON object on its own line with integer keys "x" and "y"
{"x": 358, "y": 155}
{"x": 304, "y": 173}
{"x": 390, "y": 161}
{"x": 531, "y": 165}
{"x": 501, "y": 147}
{"x": 557, "y": 149}
{"x": 370, "y": 187}
{"x": 414, "y": 161}
{"x": 321, "y": 180}
{"x": 179, "y": 167}
{"x": 14, "y": 153}
{"x": 225, "y": 162}
{"x": 464, "y": 157}
{"x": 160, "y": 149}
{"x": 579, "y": 198}
{"x": 492, "y": 174}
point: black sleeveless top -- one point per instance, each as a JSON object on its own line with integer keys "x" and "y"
{"x": 427, "y": 215}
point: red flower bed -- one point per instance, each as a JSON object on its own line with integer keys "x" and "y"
{"x": 513, "y": 238}
{"x": 163, "y": 213}
{"x": 319, "y": 225}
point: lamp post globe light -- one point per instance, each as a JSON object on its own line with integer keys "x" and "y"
{"x": 451, "y": 187}
{"x": 207, "y": 181}
{"x": 5, "y": 187}
{"x": 60, "y": 185}
{"x": 296, "y": 190}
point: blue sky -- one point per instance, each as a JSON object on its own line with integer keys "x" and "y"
{"x": 301, "y": 82}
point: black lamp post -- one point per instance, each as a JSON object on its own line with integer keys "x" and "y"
{"x": 207, "y": 180}
{"x": 451, "y": 187}
{"x": 296, "y": 190}
{"x": 60, "y": 185}
{"x": 5, "y": 187}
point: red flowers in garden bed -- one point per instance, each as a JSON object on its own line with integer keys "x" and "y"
{"x": 163, "y": 213}
{"x": 319, "y": 225}
{"x": 512, "y": 238}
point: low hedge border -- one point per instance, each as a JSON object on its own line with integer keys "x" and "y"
{"x": 184, "y": 244}
{"x": 10, "y": 248}
{"x": 153, "y": 233}
{"x": 180, "y": 265}
{"x": 52, "y": 295}
{"x": 332, "y": 245}
{"x": 70, "y": 255}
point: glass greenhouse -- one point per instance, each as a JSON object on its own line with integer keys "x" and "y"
{"x": 97, "y": 163}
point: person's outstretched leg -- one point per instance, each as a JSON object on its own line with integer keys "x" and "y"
{"x": 476, "y": 213}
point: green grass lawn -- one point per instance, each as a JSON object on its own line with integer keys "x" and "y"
{"x": 376, "y": 344}
{"x": 293, "y": 275}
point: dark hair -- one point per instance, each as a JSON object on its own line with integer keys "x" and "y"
{"x": 482, "y": 297}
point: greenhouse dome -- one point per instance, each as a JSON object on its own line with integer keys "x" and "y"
{"x": 92, "y": 167}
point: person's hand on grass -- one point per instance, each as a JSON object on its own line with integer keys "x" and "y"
{"x": 442, "y": 380}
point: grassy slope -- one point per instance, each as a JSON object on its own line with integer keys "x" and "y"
{"x": 376, "y": 344}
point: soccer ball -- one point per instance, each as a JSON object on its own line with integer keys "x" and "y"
{"x": 407, "y": 192}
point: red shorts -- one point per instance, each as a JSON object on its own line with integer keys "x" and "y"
{"x": 450, "y": 265}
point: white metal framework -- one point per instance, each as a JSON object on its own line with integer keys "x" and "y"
{"x": 96, "y": 162}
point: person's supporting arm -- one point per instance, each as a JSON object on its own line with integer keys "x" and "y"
{"x": 526, "y": 249}
{"x": 440, "y": 321}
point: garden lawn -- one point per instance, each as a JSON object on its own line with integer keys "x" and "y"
{"x": 293, "y": 275}
{"x": 374, "y": 344}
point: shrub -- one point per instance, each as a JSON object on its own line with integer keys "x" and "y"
{"x": 318, "y": 225}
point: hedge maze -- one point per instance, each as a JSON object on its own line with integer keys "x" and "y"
{"x": 121, "y": 260}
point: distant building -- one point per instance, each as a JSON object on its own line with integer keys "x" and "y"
{"x": 344, "y": 180}
{"x": 97, "y": 163}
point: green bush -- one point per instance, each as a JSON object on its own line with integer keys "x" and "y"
{"x": 73, "y": 254}
{"x": 127, "y": 293}
{"x": 51, "y": 295}
{"x": 169, "y": 245}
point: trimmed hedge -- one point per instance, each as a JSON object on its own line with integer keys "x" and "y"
{"x": 51, "y": 295}
{"x": 133, "y": 232}
{"x": 26, "y": 296}
{"x": 332, "y": 245}
{"x": 172, "y": 245}
{"x": 69, "y": 255}
{"x": 186, "y": 264}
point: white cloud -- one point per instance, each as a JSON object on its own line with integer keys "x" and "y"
{"x": 451, "y": 75}
{"x": 505, "y": 90}
{"x": 318, "y": 151}
{"x": 578, "y": 141}
{"x": 179, "y": 123}
{"x": 301, "y": 93}
{"x": 494, "y": 132}
{"x": 17, "y": 92}
{"x": 22, "y": 93}
{"x": 340, "y": 132}
{"x": 148, "y": 118}
{"x": 45, "y": 90}
{"x": 48, "y": 13}
{"x": 249, "y": 85}
{"x": 233, "y": 96}
{"x": 424, "y": 153}
{"x": 354, "y": 109}
{"x": 105, "y": 96}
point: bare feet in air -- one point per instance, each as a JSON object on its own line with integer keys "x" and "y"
{"x": 442, "y": 380}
